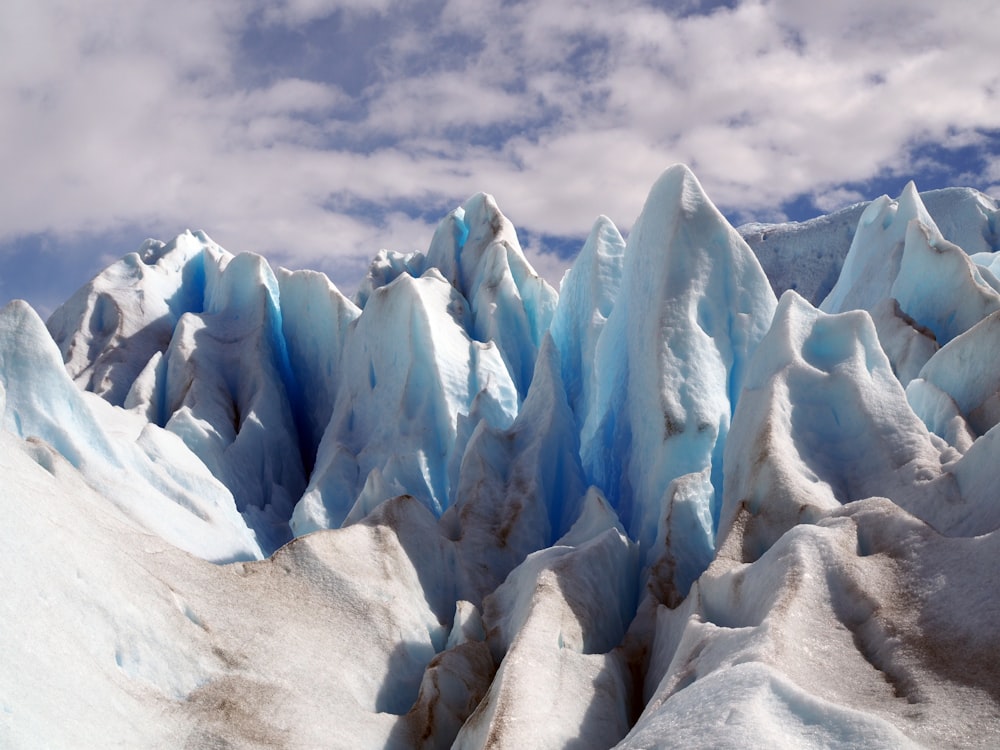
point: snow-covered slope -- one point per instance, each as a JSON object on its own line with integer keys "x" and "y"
{"x": 661, "y": 508}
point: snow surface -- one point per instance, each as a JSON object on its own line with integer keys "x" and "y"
{"x": 661, "y": 508}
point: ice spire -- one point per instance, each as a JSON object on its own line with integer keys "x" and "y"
{"x": 668, "y": 369}
{"x": 477, "y": 250}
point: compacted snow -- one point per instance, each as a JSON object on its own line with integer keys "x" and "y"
{"x": 662, "y": 507}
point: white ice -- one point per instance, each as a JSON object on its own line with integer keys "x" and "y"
{"x": 662, "y": 509}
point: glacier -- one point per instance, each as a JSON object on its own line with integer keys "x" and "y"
{"x": 726, "y": 487}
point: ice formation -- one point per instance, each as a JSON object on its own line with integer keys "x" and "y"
{"x": 660, "y": 508}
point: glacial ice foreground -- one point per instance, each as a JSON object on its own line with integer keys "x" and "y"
{"x": 659, "y": 509}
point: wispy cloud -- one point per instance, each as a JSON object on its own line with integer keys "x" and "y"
{"x": 164, "y": 116}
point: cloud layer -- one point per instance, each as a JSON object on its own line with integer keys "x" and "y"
{"x": 317, "y": 131}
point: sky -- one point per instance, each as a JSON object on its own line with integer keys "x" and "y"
{"x": 316, "y": 132}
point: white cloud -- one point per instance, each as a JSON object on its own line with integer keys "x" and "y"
{"x": 837, "y": 198}
{"x": 443, "y": 101}
{"x": 300, "y": 12}
{"x": 118, "y": 113}
{"x": 992, "y": 171}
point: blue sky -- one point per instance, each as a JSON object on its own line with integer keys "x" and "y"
{"x": 317, "y": 131}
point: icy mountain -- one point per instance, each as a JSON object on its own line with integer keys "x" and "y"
{"x": 660, "y": 508}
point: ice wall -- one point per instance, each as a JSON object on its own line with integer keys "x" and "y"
{"x": 661, "y": 508}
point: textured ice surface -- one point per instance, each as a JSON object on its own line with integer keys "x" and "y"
{"x": 141, "y": 645}
{"x": 477, "y": 250}
{"x": 397, "y": 406}
{"x": 315, "y": 318}
{"x": 873, "y": 260}
{"x": 144, "y": 471}
{"x": 835, "y": 636}
{"x": 554, "y": 624}
{"x": 823, "y": 422}
{"x": 108, "y": 331}
{"x": 586, "y": 297}
{"x": 939, "y": 287}
{"x": 807, "y": 256}
{"x": 660, "y": 509}
{"x": 225, "y": 391}
{"x": 668, "y": 365}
